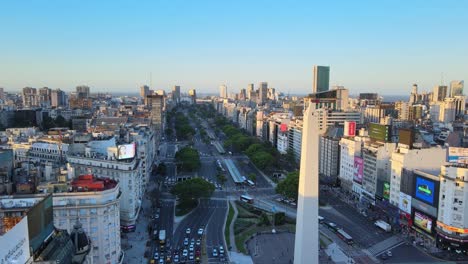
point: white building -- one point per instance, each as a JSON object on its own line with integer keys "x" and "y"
{"x": 377, "y": 165}
{"x": 128, "y": 172}
{"x": 223, "y": 92}
{"x": 452, "y": 220}
{"x": 421, "y": 159}
{"x": 95, "y": 202}
{"x": 295, "y": 138}
{"x": 351, "y": 148}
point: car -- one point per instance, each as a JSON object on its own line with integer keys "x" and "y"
{"x": 185, "y": 252}
{"x": 215, "y": 252}
{"x": 156, "y": 216}
{"x": 161, "y": 261}
{"x": 200, "y": 231}
{"x": 389, "y": 253}
{"x": 384, "y": 256}
{"x": 221, "y": 250}
{"x": 191, "y": 248}
{"x": 188, "y": 231}
{"x": 168, "y": 258}
{"x": 156, "y": 255}
{"x": 198, "y": 242}
{"x": 191, "y": 256}
{"x": 186, "y": 241}
{"x": 192, "y": 242}
{"x": 176, "y": 259}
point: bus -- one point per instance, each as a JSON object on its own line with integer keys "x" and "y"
{"x": 247, "y": 199}
{"x": 251, "y": 183}
{"x": 344, "y": 236}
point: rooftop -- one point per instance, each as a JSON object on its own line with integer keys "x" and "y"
{"x": 88, "y": 182}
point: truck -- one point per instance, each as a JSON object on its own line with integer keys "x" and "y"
{"x": 162, "y": 236}
{"x": 383, "y": 225}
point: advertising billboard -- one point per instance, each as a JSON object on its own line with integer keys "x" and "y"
{"x": 15, "y": 244}
{"x": 458, "y": 155}
{"x": 386, "y": 190}
{"x": 126, "y": 151}
{"x": 284, "y": 128}
{"x": 358, "y": 169}
{"x": 425, "y": 190}
{"x": 404, "y": 203}
{"x": 349, "y": 128}
{"x": 406, "y": 136}
{"x": 423, "y": 221}
{"x": 379, "y": 132}
{"x": 40, "y": 222}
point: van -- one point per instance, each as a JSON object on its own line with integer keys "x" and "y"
{"x": 320, "y": 219}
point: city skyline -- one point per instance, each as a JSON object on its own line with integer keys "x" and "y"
{"x": 384, "y": 48}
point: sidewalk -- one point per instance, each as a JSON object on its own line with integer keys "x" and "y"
{"x": 232, "y": 237}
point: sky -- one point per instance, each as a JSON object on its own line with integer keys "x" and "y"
{"x": 117, "y": 46}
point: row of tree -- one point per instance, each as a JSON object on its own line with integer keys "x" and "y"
{"x": 184, "y": 131}
{"x": 188, "y": 159}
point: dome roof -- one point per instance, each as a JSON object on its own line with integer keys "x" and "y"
{"x": 80, "y": 239}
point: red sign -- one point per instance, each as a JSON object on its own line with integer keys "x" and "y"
{"x": 283, "y": 128}
{"x": 350, "y": 128}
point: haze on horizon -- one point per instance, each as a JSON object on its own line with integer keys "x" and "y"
{"x": 114, "y": 46}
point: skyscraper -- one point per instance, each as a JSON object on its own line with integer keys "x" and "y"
{"x": 250, "y": 89}
{"x": 306, "y": 243}
{"x": 456, "y": 88}
{"x": 193, "y": 96}
{"x": 82, "y": 91}
{"x": 144, "y": 91}
{"x": 262, "y": 92}
{"x": 223, "y": 93}
{"x": 439, "y": 94}
{"x": 321, "y": 79}
{"x": 156, "y": 103}
{"x": 176, "y": 94}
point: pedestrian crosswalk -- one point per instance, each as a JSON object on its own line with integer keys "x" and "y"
{"x": 385, "y": 245}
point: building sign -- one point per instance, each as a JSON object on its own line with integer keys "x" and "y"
{"x": 358, "y": 169}
{"x": 126, "y": 151}
{"x": 284, "y": 128}
{"x": 425, "y": 190}
{"x": 349, "y": 128}
{"x": 458, "y": 155}
{"x": 405, "y": 203}
{"x": 14, "y": 245}
{"x": 379, "y": 132}
{"x": 423, "y": 221}
{"x": 452, "y": 228}
{"x": 386, "y": 190}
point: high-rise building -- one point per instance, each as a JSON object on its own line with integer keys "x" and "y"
{"x": 262, "y": 92}
{"x": 456, "y": 88}
{"x": 2, "y": 94}
{"x": 30, "y": 97}
{"x": 414, "y": 94}
{"x": 156, "y": 103}
{"x": 250, "y": 89}
{"x": 321, "y": 79}
{"x": 45, "y": 97}
{"x": 306, "y": 246}
{"x": 57, "y": 98}
{"x": 439, "y": 94}
{"x": 193, "y": 96}
{"x": 144, "y": 91}
{"x": 176, "y": 94}
{"x": 82, "y": 92}
{"x": 223, "y": 92}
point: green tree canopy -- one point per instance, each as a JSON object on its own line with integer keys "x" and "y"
{"x": 188, "y": 159}
{"x": 193, "y": 189}
{"x": 263, "y": 160}
{"x": 289, "y": 186}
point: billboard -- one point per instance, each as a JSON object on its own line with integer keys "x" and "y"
{"x": 386, "y": 190}
{"x": 458, "y": 155}
{"x": 284, "y": 128}
{"x": 40, "y": 222}
{"x": 379, "y": 132}
{"x": 406, "y": 136}
{"x": 358, "y": 169}
{"x": 423, "y": 221}
{"x": 404, "y": 203}
{"x": 425, "y": 190}
{"x": 126, "y": 151}
{"x": 349, "y": 128}
{"x": 14, "y": 246}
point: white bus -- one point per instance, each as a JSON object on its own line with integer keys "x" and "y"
{"x": 344, "y": 236}
{"x": 247, "y": 199}
{"x": 251, "y": 183}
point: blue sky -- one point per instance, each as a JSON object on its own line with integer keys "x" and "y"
{"x": 382, "y": 46}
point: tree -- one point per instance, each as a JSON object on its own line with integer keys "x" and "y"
{"x": 193, "y": 189}
{"x": 47, "y": 123}
{"x": 60, "y": 121}
{"x": 252, "y": 149}
{"x": 188, "y": 159}
{"x": 252, "y": 176}
{"x": 280, "y": 218}
{"x": 263, "y": 160}
{"x": 169, "y": 132}
{"x": 162, "y": 169}
{"x": 289, "y": 186}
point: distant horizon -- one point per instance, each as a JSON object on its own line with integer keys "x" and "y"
{"x": 369, "y": 46}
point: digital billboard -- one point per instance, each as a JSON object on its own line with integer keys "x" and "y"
{"x": 404, "y": 203}
{"x": 126, "y": 151}
{"x": 458, "y": 155}
{"x": 386, "y": 190}
{"x": 350, "y": 128}
{"x": 379, "y": 132}
{"x": 40, "y": 222}
{"x": 284, "y": 128}
{"x": 423, "y": 221}
{"x": 358, "y": 169}
{"x": 425, "y": 190}
{"x": 406, "y": 136}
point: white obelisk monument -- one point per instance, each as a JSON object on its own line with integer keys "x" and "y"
{"x": 306, "y": 248}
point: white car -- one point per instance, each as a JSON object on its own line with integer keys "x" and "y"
{"x": 185, "y": 241}
{"x": 221, "y": 250}
{"x": 200, "y": 231}
{"x": 188, "y": 231}
{"x": 191, "y": 248}
{"x": 185, "y": 252}
{"x": 215, "y": 252}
